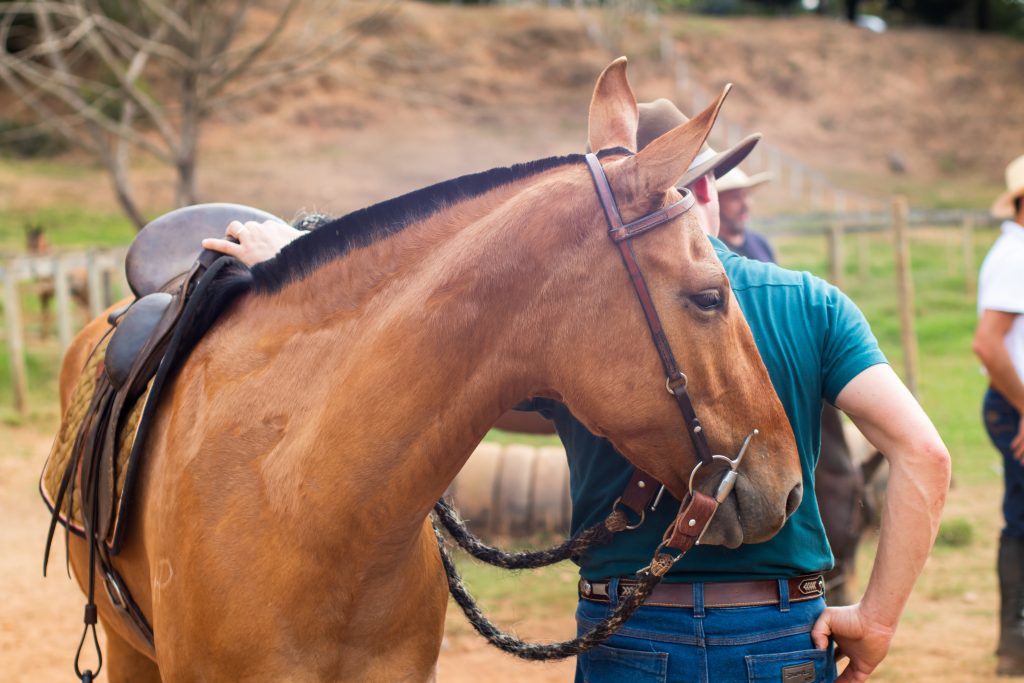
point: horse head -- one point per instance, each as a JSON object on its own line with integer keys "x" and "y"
{"x": 603, "y": 363}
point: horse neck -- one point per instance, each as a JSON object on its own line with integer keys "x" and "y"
{"x": 420, "y": 342}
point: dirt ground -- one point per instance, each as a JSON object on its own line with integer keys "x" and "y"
{"x": 946, "y": 635}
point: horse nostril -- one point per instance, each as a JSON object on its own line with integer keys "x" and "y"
{"x": 793, "y": 501}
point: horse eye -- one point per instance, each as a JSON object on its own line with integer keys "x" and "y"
{"x": 708, "y": 300}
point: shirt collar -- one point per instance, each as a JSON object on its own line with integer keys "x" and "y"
{"x": 718, "y": 244}
{"x": 1012, "y": 227}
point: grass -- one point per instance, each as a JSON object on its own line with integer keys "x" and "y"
{"x": 66, "y": 227}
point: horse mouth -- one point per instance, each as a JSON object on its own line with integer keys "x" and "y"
{"x": 726, "y": 528}
{"x": 744, "y": 517}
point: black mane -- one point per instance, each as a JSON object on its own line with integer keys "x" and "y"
{"x": 365, "y": 226}
{"x": 338, "y": 237}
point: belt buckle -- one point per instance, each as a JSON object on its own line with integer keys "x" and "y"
{"x": 812, "y": 586}
{"x": 586, "y": 589}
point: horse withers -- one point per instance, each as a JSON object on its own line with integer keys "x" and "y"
{"x": 280, "y": 526}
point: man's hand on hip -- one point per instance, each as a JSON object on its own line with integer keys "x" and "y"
{"x": 1017, "y": 445}
{"x": 857, "y": 637}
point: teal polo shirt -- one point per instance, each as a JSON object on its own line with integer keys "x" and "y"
{"x": 813, "y": 340}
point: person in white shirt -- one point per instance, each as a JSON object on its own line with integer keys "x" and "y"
{"x": 999, "y": 343}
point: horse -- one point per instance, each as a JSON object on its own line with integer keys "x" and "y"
{"x": 280, "y": 524}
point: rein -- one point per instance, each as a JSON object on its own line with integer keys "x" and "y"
{"x": 696, "y": 510}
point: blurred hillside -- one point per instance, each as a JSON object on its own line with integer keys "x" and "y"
{"x": 443, "y": 90}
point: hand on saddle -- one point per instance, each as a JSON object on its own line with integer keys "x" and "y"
{"x": 256, "y": 241}
{"x": 857, "y": 637}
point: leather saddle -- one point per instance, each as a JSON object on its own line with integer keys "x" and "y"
{"x": 168, "y": 271}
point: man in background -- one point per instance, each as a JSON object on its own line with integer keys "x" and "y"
{"x": 734, "y": 190}
{"x": 999, "y": 343}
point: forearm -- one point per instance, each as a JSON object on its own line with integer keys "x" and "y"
{"x": 893, "y": 421}
{"x": 910, "y": 521}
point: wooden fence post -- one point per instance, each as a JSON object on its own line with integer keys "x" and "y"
{"x": 863, "y": 255}
{"x": 95, "y": 280}
{"x": 15, "y": 340}
{"x": 836, "y": 262}
{"x": 62, "y": 295}
{"x": 970, "y": 269}
{"x": 905, "y": 283}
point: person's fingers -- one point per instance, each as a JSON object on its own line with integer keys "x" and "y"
{"x": 821, "y": 631}
{"x": 852, "y": 675}
{"x": 223, "y": 246}
{"x": 233, "y": 228}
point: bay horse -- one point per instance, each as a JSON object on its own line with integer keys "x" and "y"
{"x": 281, "y": 523}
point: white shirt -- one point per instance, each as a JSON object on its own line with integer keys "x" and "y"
{"x": 1001, "y": 287}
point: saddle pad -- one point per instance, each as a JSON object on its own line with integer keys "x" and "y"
{"x": 63, "y": 445}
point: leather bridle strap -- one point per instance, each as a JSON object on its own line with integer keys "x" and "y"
{"x": 622, "y": 234}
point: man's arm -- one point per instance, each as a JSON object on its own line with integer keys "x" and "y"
{"x": 990, "y": 347}
{"x": 892, "y": 420}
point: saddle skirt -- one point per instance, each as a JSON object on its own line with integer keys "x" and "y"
{"x": 72, "y": 432}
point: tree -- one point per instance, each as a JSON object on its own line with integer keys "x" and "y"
{"x": 113, "y": 76}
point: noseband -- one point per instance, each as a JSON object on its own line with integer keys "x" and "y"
{"x": 622, "y": 234}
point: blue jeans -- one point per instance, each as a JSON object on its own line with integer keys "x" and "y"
{"x": 707, "y": 645}
{"x": 1001, "y": 422}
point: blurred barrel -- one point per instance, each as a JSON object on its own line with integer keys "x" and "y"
{"x": 514, "y": 491}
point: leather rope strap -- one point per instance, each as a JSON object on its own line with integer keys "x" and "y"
{"x": 622, "y": 234}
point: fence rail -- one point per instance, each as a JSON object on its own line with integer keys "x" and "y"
{"x": 87, "y": 275}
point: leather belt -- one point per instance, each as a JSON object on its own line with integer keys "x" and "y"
{"x": 718, "y": 594}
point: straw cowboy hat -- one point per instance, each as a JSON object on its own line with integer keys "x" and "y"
{"x": 736, "y": 179}
{"x": 661, "y": 116}
{"x": 1003, "y": 206}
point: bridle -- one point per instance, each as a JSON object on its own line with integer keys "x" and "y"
{"x": 698, "y": 508}
{"x": 623, "y": 234}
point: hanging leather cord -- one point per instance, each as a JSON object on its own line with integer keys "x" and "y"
{"x": 599, "y": 534}
{"x": 683, "y": 534}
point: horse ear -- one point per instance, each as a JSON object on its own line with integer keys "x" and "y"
{"x": 613, "y": 112}
{"x": 664, "y": 161}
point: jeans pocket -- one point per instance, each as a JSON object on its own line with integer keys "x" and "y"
{"x": 606, "y": 664}
{"x": 803, "y": 666}
{"x": 1000, "y": 423}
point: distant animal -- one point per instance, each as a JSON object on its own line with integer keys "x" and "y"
{"x": 45, "y": 286}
